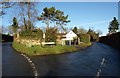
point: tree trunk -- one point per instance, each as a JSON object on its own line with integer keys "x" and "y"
{"x": 29, "y": 23}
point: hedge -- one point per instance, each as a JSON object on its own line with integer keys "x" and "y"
{"x": 112, "y": 40}
{"x": 84, "y": 38}
{"x": 37, "y": 33}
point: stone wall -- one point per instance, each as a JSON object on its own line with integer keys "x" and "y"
{"x": 28, "y": 42}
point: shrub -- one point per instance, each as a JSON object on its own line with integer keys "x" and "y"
{"x": 33, "y": 34}
{"x": 51, "y": 35}
{"x": 84, "y": 38}
{"x": 112, "y": 40}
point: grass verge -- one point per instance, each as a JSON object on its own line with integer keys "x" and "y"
{"x": 38, "y": 50}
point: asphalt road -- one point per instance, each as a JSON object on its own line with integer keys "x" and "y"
{"x": 85, "y": 62}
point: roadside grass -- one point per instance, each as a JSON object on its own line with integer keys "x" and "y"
{"x": 47, "y": 50}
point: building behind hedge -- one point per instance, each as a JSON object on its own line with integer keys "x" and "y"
{"x": 69, "y": 38}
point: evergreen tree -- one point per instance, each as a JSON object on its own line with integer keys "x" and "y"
{"x": 61, "y": 19}
{"x": 15, "y": 25}
{"x": 47, "y": 16}
{"x": 75, "y": 30}
{"x": 113, "y": 27}
{"x": 51, "y": 15}
{"x": 25, "y": 25}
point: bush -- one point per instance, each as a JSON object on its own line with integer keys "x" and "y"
{"x": 6, "y": 38}
{"x": 51, "y": 35}
{"x": 93, "y": 35}
{"x": 85, "y": 38}
{"x": 34, "y": 34}
{"x": 112, "y": 40}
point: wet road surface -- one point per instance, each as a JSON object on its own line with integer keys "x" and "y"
{"x": 81, "y": 63}
{"x": 13, "y": 64}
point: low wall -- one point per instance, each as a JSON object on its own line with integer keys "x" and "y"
{"x": 112, "y": 40}
{"x": 28, "y": 42}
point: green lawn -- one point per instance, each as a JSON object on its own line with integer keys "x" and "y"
{"x": 38, "y": 50}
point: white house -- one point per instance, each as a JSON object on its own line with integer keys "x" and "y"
{"x": 70, "y": 36}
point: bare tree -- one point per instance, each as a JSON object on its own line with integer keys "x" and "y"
{"x": 99, "y": 32}
{"x": 0, "y": 29}
{"x": 82, "y": 31}
{"x": 4, "y": 29}
{"x": 28, "y": 13}
{"x": 4, "y": 5}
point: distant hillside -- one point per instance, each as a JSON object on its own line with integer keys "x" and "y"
{"x": 6, "y": 38}
{"x": 112, "y": 40}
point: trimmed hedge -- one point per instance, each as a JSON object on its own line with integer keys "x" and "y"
{"x": 6, "y": 38}
{"x": 37, "y": 34}
{"x": 112, "y": 40}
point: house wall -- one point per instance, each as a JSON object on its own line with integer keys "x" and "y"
{"x": 67, "y": 38}
{"x": 59, "y": 38}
